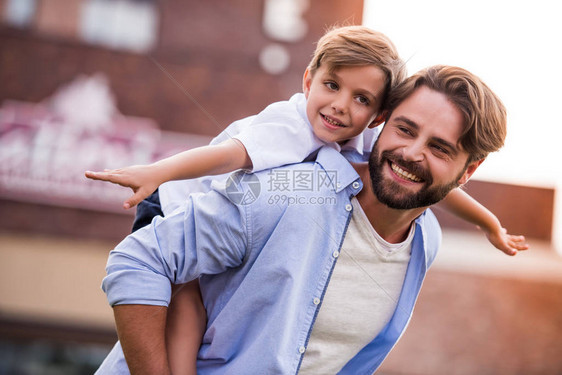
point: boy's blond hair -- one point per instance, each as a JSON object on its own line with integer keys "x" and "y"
{"x": 485, "y": 118}
{"x": 359, "y": 46}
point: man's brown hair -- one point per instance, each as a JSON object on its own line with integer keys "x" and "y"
{"x": 484, "y": 114}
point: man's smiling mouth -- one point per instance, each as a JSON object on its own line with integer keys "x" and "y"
{"x": 404, "y": 174}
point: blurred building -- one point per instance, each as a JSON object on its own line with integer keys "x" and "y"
{"x": 92, "y": 84}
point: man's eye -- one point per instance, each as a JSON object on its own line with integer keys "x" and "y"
{"x": 440, "y": 149}
{"x": 331, "y": 85}
{"x": 404, "y": 130}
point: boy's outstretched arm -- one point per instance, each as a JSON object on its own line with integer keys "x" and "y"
{"x": 467, "y": 208}
{"x": 224, "y": 157}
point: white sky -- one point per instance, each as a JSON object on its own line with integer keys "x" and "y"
{"x": 515, "y": 47}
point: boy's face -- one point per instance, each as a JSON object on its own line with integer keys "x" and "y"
{"x": 344, "y": 102}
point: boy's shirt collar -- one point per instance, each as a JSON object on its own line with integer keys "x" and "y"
{"x": 356, "y": 143}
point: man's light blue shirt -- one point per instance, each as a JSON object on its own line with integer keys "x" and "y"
{"x": 264, "y": 249}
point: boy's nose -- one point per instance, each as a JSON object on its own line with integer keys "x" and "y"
{"x": 340, "y": 104}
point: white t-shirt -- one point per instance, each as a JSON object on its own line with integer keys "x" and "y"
{"x": 280, "y": 134}
{"x": 361, "y": 297}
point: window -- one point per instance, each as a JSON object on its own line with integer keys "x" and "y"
{"x": 19, "y": 13}
{"x": 130, "y": 25}
{"x": 122, "y": 24}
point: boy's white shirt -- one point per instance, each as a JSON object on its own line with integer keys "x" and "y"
{"x": 280, "y": 134}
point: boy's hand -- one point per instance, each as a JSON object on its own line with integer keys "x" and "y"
{"x": 139, "y": 178}
{"x": 508, "y": 243}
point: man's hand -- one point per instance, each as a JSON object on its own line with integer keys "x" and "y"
{"x": 508, "y": 243}
{"x": 141, "y": 330}
{"x": 140, "y": 178}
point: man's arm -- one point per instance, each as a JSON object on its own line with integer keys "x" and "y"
{"x": 140, "y": 329}
{"x": 208, "y": 238}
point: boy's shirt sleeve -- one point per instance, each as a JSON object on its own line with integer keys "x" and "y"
{"x": 207, "y": 236}
{"x": 279, "y": 135}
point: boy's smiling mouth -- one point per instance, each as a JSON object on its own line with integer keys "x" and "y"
{"x": 332, "y": 121}
{"x": 404, "y": 174}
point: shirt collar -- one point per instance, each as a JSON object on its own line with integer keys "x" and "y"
{"x": 355, "y": 144}
{"x": 345, "y": 175}
{"x": 338, "y": 168}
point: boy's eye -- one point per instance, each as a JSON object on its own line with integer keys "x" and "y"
{"x": 331, "y": 85}
{"x": 363, "y": 100}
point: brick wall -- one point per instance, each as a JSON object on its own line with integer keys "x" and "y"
{"x": 218, "y": 64}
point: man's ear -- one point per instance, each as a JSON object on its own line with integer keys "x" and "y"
{"x": 306, "y": 82}
{"x": 470, "y": 171}
{"x": 381, "y": 117}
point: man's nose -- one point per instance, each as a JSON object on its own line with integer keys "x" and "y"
{"x": 413, "y": 151}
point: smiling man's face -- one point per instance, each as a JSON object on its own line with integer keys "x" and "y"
{"x": 417, "y": 159}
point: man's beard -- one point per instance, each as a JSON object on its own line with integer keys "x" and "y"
{"x": 398, "y": 197}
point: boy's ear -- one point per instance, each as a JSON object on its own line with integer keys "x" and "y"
{"x": 381, "y": 117}
{"x": 470, "y": 171}
{"x": 306, "y": 82}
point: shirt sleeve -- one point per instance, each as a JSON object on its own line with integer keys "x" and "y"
{"x": 279, "y": 135}
{"x": 206, "y": 236}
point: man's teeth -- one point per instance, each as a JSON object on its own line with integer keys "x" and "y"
{"x": 335, "y": 123}
{"x": 402, "y": 173}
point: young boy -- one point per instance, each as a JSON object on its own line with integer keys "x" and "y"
{"x": 344, "y": 92}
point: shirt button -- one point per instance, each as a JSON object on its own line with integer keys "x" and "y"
{"x": 338, "y": 185}
{"x": 336, "y": 254}
{"x": 302, "y": 349}
{"x": 316, "y": 301}
{"x": 348, "y": 207}
{"x": 355, "y": 185}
